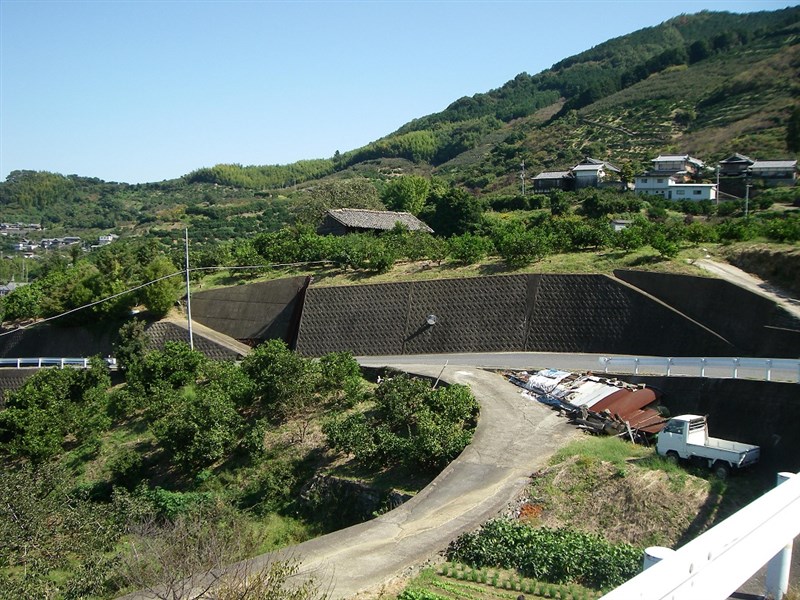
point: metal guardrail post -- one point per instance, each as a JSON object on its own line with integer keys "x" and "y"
{"x": 778, "y": 568}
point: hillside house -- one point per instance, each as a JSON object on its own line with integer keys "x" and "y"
{"x": 553, "y": 180}
{"x": 7, "y": 288}
{"x": 590, "y": 172}
{"x": 681, "y": 167}
{"x": 342, "y": 221}
{"x": 736, "y": 165}
{"x": 670, "y": 189}
{"x": 774, "y": 172}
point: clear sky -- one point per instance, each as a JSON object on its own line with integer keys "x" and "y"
{"x": 143, "y": 91}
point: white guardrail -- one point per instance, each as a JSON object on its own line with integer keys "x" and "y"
{"x": 718, "y": 562}
{"x": 764, "y": 369}
{"x": 22, "y": 363}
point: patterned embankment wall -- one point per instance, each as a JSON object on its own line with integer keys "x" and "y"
{"x": 472, "y": 315}
{"x": 85, "y": 342}
{"x": 12, "y": 379}
{"x": 598, "y": 314}
{"x": 258, "y": 311}
{"x": 557, "y": 313}
{"x": 755, "y": 412}
{"x": 753, "y": 323}
{"x": 161, "y": 332}
{"x": 50, "y": 340}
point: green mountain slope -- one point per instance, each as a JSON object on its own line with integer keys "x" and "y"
{"x": 711, "y": 84}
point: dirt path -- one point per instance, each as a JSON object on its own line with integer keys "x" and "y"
{"x": 751, "y": 282}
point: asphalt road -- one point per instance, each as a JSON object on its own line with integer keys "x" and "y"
{"x": 514, "y": 438}
{"x": 721, "y": 368}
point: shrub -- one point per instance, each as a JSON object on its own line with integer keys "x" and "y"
{"x": 553, "y": 555}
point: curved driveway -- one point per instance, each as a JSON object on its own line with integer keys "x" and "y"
{"x": 513, "y": 439}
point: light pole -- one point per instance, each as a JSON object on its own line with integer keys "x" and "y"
{"x": 188, "y": 291}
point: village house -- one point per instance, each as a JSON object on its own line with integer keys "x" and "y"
{"x": 774, "y": 172}
{"x": 736, "y": 165}
{"x": 681, "y": 167}
{"x": 342, "y": 221}
{"x": 553, "y": 180}
{"x": 668, "y": 188}
{"x": 590, "y": 172}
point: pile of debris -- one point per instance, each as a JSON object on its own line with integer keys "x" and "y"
{"x": 597, "y": 404}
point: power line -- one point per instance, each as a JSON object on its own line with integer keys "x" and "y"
{"x": 181, "y": 273}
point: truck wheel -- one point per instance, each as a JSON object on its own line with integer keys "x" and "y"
{"x": 722, "y": 470}
{"x": 672, "y": 457}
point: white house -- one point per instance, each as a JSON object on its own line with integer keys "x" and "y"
{"x": 668, "y": 188}
{"x": 590, "y": 172}
{"x": 677, "y": 164}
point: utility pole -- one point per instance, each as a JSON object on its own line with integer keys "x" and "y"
{"x": 746, "y": 199}
{"x": 522, "y": 176}
{"x": 188, "y": 291}
{"x": 717, "y": 198}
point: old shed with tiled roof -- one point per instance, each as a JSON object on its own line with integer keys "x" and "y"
{"x": 350, "y": 220}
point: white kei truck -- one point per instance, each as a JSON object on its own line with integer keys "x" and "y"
{"x": 686, "y": 437}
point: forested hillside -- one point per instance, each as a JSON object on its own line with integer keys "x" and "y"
{"x": 711, "y": 84}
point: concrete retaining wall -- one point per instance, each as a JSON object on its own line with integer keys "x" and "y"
{"x": 755, "y": 325}
{"x": 558, "y": 313}
{"x": 257, "y": 311}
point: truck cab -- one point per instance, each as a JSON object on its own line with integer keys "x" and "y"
{"x": 686, "y": 437}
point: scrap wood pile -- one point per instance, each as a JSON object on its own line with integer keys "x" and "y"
{"x": 597, "y": 404}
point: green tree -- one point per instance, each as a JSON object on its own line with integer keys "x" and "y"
{"x": 132, "y": 343}
{"x": 175, "y": 365}
{"x": 159, "y": 297}
{"x": 469, "y": 248}
{"x": 285, "y": 382}
{"x": 200, "y": 427}
{"x": 407, "y": 193}
{"x": 23, "y": 303}
{"x": 519, "y": 247}
{"x": 453, "y": 211}
{"x": 339, "y": 372}
{"x": 52, "y": 406}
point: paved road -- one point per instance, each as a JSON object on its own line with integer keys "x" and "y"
{"x": 721, "y": 368}
{"x": 514, "y": 438}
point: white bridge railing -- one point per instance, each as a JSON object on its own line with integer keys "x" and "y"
{"x": 22, "y": 363}
{"x": 765, "y": 369}
{"x": 718, "y": 562}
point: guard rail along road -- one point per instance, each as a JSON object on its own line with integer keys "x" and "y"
{"x": 768, "y": 369}
{"x": 26, "y": 363}
{"x": 715, "y": 564}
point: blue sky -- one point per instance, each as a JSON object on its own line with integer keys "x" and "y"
{"x": 150, "y": 90}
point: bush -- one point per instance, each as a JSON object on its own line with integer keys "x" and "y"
{"x": 468, "y": 248}
{"x": 553, "y": 555}
{"x": 414, "y": 426}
